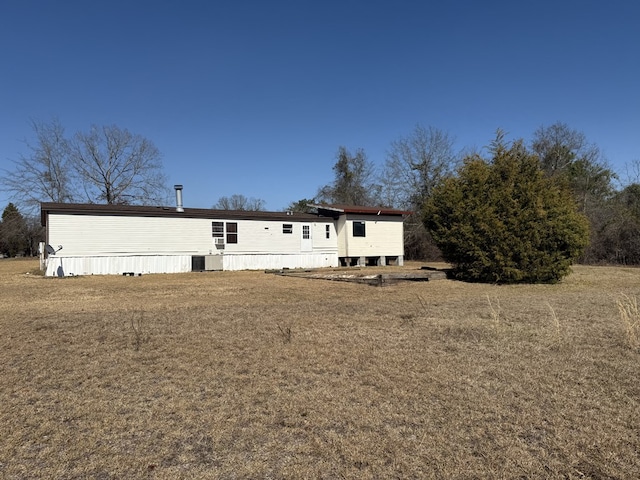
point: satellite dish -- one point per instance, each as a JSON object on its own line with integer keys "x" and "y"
{"x": 52, "y": 251}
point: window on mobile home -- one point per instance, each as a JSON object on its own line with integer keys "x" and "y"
{"x": 232, "y": 232}
{"x": 217, "y": 229}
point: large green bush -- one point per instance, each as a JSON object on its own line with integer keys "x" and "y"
{"x": 503, "y": 221}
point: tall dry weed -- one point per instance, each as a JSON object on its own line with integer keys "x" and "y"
{"x": 630, "y": 317}
{"x": 496, "y": 310}
{"x": 286, "y": 334}
{"x": 556, "y": 323}
{"x": 421, "y": 311}
{"x": 138, "y": 329}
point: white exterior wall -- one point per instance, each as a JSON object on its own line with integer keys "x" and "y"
{"x": 270, "y": 248}
{"x": 266, "y": 237}
{"x": 343, "y": 239}
{"x": 103, "y": 235}
{"x": 384, "y": 236}
{"x": 110, "y": 244}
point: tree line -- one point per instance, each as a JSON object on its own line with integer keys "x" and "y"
{"x": 111, "y": 165}
{"x": 417, "y": 164}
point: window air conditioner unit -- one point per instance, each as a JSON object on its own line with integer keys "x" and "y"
{"x": 218, "y": 241}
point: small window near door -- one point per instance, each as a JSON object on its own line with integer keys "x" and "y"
{"x": 327, "y": 230}
{"x": 358, "y": 229}
{"x": 287, "y": 228}
{"x": 306, "y": 232}
{"x": 232, "y": 232}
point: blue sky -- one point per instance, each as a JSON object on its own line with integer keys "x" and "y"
{"x": 255, "y": 97}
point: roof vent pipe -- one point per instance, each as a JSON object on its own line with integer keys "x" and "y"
{"x": 178, "y": 198}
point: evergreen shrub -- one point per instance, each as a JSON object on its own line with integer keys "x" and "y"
{"x": 503, "y": 221}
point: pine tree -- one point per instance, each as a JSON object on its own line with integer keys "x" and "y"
{"x": 13, "y": 232}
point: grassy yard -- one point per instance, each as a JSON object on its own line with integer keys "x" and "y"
{"x": 252, "y": 375}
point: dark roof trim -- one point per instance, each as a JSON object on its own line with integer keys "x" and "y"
{"x": 340, "y": 209}
{"x": 150, "y": 211}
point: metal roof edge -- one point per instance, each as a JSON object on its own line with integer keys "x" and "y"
{"x": 163, "y": 211}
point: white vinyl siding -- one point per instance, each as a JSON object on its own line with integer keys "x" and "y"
{"x": 261, "y": 236}
{"x": 384, "y": 236}
{"x": 107, "y": 235}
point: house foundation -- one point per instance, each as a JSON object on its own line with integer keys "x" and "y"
{"x": 372, "y": 261}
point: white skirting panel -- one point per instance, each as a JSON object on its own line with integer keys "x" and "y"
{"x": 58, "y": 266}
{"x": 117, "y": 265}
{"x": 278, "y": 261}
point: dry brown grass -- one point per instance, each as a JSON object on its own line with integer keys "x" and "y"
{"x": 251, "y": 375}
{"x": 630, "y": 317}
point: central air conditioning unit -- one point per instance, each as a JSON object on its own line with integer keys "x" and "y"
{"x": 218, "y": 241}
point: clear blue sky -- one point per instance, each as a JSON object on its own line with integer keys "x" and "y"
{"x": 255, "y": 97}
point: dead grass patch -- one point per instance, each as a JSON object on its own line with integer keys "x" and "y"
{"x": 415, "y": 380}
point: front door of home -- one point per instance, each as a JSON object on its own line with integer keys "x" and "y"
{"x": 306, "y": 243}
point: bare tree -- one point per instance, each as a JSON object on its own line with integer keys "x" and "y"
{"x": 115, "y": 166}
{"x": 240, "y": 202}
{"x": 631, "y": 173}
{"x": 45, "y": 173}
{"x": 559, "y": 147}
{"x": 105, "y": 165}
{"x": 415, "y": 165}
{"x": 565, "y": 152}
{"x": 354, "y": 182}
{"x": 616, "y": 229}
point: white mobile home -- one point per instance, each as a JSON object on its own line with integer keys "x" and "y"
{"x": 86, "y": 239}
